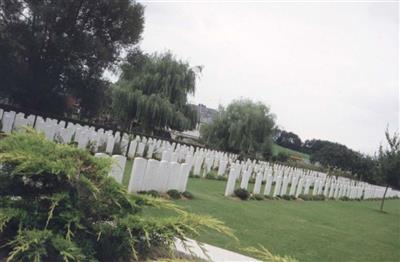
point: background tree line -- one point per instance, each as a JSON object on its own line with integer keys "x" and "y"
{"x": 373, "y": 169}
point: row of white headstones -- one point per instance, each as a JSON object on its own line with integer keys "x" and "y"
{"x": 177, "y": 160}
{"x": 294, "y": 182}
{"x": 150, "y": 174}
{"x": 200, "y": 161}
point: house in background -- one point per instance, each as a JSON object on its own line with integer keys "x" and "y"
{"x": 206, "y": 116}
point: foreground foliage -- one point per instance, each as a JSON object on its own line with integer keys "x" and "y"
{"x": 265, "y": 255}
{"x": 57, "y": 203}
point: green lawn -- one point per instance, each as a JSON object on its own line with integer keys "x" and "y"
{"x": 277, "y": 148}
{"x": 307, "y": 231}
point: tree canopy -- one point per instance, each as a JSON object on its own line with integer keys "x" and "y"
{"x": 288, "y": 140}
{"x": 54, "y": 52}
{"x": 152, "y": 92}
{"x": 244, "y": 127}
{"x": 389, "y": 161}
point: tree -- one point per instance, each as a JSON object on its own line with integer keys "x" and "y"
{"x": 288, "y": 140}
{"x": 389, "y": 163}
{"x": 339, "y": 156}
{"x": 57, "y": 203}
{"x": 244, "y": 127}
{"x": 53, "y": 53}
{"x": 152, "y": 92}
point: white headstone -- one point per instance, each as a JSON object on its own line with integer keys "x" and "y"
{"x": 132, "y": 149}
{"x": 183, "y": 177}
{"x": 268, "y": 185}
{"x": 257, "y": 184}
{"x": 151, "y": 175}
{"x": 230, "y": 184}
{"x": 140, "y": 149}
{"x": 118, "y": 167}
{"x": 137, "y": 174}
{"x": 173, "y": 179}
{"x": 278, "y": 185}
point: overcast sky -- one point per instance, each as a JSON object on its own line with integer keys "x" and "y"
{"x": 327, "y": 70}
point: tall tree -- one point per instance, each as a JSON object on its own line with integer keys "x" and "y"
{"x": 389, "y": 163}
{"x": 52, "y": 52}
{"x": 244, "y": 127}
{"x": 288, "y": 139}
{"x": 152, "y": 92}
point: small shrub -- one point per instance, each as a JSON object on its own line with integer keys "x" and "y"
{"x": 268, "y": 197}
{"x": 222, "y": 178}
{"x": 241, "y": 193}
{"x": 153, "y": 193}
{"x": 318, "y": 198}
{"x": 258, "y": 197}
{"x": 282, "y": 157}
{"x": 91, "y": 147}
{"x": 188, "y": 195}
{"x": 174, "y": 194}
{"x": 287, "y": 197}
{"x": 305, "y": 197}
{"x": 252, "y": 180}
{"x": 58, "y": 139}
{"x": 344, "y": 198}
{"x": 211, "y": 175}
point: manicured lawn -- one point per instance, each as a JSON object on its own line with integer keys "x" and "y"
{"x": 277, "y": 148}
{"x": 307, "y": 231}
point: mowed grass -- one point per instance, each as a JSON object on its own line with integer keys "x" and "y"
{"x": 277, "y": 148}
{"x": 305, "y": 230}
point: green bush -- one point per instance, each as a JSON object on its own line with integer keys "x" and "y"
{"x": 305, "y": 197}
{"x": 57, "y": 203}
{"x": 241, "y": 193}
{"x": 258, "y": 197}
{"x": 222, "y": 178}
{"x": 287, "y": 197}
{"x": 91, "y": 147}
{"x": 211, "y": 175}
{"x": 282, "y": 157}
{"x": 318, "y": 198}
{"x": 344, "y": 198}
{"x": 152, "y": 193}
{"x": 174, "y": 194}
{"x": 312, "y": 198}
{"x": 188, "y": 195}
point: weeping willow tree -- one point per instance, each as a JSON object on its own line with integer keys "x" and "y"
{"x": 152, "y": 92}
{"x": 244, "y": 127}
